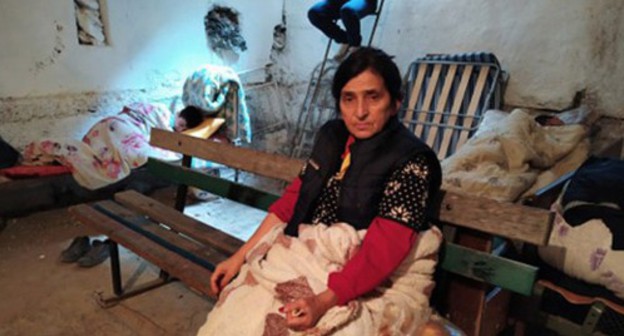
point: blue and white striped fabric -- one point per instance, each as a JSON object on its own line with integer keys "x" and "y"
{"x": 218, "y": 91}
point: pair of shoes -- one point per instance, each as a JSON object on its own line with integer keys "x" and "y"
{"x": 97, "y": 254}
{"x": 84, "y": 253}
{"x": 78, "y": 248}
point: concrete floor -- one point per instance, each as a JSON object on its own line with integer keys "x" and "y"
{"x": 39, "y": 295}
{"x": 42, "y": 296}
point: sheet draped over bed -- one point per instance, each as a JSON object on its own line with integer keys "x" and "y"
{"x": 282, "y": 268}
{"x": 110, "y": 149}
{"x": 504, "y": 158}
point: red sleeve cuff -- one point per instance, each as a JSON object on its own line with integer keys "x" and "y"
{"x": 284, "y": 207}
{"x": 384, "y": 247}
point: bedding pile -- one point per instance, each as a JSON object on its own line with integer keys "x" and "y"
{"x": 509, "y": 152}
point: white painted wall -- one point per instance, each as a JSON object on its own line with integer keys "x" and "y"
{"x": 551, "y": 49}
{"x": 152, "y": 42}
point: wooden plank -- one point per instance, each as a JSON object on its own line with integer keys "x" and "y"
{"x": 474, "y": 104}
{"x": 494, "y": 318}
{"x": 188, "y": 272}
{"x": 265, "y": 164}
{"x": 413, "y": 97}
{"x": 478, "y": 308}
{"x": 515, "y": 221}
{"x": 185, "y": 246}
{"x": 179, "y": 222}
{"x": 465, "y": 303}
{"x": 221, "y": 187}
{"x": 495, "y": 270}
{"x": 457, "y": 103}
{"x": 443, "y": 99}
{"x": 423, "y": 112}
{"x": 465, "y": 297}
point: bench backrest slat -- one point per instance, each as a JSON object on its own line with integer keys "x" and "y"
{"x": 220, "y": 187}
{"x": 510, "y": 220}
{"x": 265, "y": 164}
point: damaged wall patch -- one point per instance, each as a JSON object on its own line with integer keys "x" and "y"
{"x": 89, "y": 22}
{"x": 223, "y": 30}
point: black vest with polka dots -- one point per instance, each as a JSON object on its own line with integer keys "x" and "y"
{"x": 372, "y": 162}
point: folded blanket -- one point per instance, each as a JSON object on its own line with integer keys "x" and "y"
{"x": 282, "y": 268}
{"x": 213, "y": 89}
{"x": 504, "y": 159}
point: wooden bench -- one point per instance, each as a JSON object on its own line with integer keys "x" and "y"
{"x": 187, "y": 249}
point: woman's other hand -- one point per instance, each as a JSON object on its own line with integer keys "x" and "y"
{"x": 304, "y": 313}
{"x": 225, "y": 272}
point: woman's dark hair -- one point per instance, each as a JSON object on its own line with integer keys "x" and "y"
{"x": 368, "y": 58}
{"x": 193, "y": 116}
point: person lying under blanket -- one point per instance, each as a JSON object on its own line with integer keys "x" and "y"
{"x": 114, "y": 146}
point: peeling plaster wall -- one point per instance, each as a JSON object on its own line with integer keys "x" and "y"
{"x": 552, "y": 50}
{"x": 50, "y": 85}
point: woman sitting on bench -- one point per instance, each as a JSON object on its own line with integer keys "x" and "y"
{"x": 348, "y": 247}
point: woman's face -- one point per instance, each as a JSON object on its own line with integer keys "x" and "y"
{"x": 180, "y": 124}
{"x": 365, "y": 104}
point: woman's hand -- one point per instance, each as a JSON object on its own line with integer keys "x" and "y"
{"x": 304, "y": 313}
{"x": 225, "y": 271}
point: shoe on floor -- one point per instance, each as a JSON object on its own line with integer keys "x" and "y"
{"x": 98, "y": 253}
{"x": 78, "y": 248}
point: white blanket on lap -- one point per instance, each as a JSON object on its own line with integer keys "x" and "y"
{"x": 281, "y": 268}
{"x": 506, "y": 156}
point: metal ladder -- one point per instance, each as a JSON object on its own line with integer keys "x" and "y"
{"x": 318, "y": 105}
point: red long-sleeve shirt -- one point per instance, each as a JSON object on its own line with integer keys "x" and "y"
{"x": 384, "y": 247}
